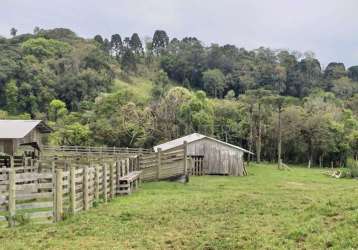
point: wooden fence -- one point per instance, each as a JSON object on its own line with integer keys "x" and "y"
{"x": 29, "y": 195}
{"x": 46, "y": 190}
{"x": 59, "y": 187}
{"x": 163, "y": 165}
{"x": 92, "y": 151}
{"x": 20, "y": 163}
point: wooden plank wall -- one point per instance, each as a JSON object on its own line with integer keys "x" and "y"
{"x": 163, "y": 164}
{"x": 218, "y": 157}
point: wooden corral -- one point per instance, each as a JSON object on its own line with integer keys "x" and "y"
{"x": 53, "y": 187}
{"x": 216, "y": 157}
{"x": 45, "y": 190}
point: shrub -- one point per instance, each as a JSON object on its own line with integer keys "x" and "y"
{"x": 351, "y": 170}
{"x": 19, "y": 219}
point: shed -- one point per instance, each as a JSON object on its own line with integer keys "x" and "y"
{"x": 15, "y": 133}
{"x": 218, "y": 157}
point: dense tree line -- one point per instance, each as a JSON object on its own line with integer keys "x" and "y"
{"x": 276, "y": 103}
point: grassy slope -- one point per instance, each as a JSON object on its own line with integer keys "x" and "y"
{"x": 267, "y": 209}
{"x": 141, "y": 87}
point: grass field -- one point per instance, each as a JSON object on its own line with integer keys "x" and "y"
{"x": 269, "y": 209}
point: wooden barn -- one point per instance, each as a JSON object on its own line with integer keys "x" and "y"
{"x": 217, "y": 157}
{"x": 17, "y": 133}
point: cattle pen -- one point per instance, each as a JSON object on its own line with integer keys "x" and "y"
{"x": 65, "y": 182}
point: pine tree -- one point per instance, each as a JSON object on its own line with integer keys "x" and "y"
{"x": 160, "y": 41}
{"x": 13, "y": 31}
{"x": 136, "y": 44}
{"x": 116, "y": 45}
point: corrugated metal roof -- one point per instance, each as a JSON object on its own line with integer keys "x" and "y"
{"x": 193, "y": 137}
{"x": 16, "y": 129}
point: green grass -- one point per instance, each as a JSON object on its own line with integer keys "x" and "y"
{"x": 139, "y": 86}
{"x": 269, "y": 209}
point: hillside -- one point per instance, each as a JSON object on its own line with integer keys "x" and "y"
{"x": 126, "y": 92}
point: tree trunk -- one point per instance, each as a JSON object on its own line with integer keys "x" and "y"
{"x": 310, "y": 157}
{"x": 320, "y": 160}
{"x": 258, "y": 146}
{"x": 279, "y": 138}
{"x": 251, "y": 132}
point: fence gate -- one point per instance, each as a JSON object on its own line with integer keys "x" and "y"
{"x": 26, "y": 195}
{"x": 197, "y": 165}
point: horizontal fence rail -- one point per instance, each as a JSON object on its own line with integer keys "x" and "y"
{"x": 94, "y": 150}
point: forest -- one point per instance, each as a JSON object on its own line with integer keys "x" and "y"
{"x": 135, "y": 92}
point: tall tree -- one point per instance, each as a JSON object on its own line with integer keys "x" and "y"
{"x": 160, "y": 41}
{"x": 279, "y": 102}
{"x": 214, "y": 82}
{"x": 129, "y": 61}
{"x": 260, "y": 96}
{"x": 36, "y": 30}
{"x": 107, "y": 46}
{"x": 99, "y": 39}
{"x": 353, "y": 73}
{"x": 136, "y": 44}
{"x": 11, "y": 93}
{"x": 13, "y": 32}
{"x": 333, "y": 72}
{"x": 116, "y": 44}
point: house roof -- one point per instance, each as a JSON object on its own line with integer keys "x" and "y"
{"x": 194, "y": 137}
{"x": 16, "y": 129}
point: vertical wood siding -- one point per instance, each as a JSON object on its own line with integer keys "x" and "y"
{"x": 218, "y": 158}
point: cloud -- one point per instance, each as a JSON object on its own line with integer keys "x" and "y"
{"x": 327, "y": 27}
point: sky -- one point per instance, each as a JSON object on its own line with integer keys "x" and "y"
{"x": 329, "y": 28}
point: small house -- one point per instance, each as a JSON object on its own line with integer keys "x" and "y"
{"x": 217, "y": 157}
{"x": 17, "y": 133}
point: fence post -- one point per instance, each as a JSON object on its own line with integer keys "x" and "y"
{"x": 111, "y": 179}
{"x": 85, "y": 188}
{"x": 185, "y": 157}
{"x": 73, "y": 188}
{"x": 105, "y": 182}
{"x": 12, "y": 197}
{"x": 191, "y": 166}
{"x": 59, "y": 205}
{"x": 96, "y": 180}
{"x": 138, "y": 162}
{"x": 159, "y": 160}
{"x": 128, "y": 166}
{"x": 12, "y": 164}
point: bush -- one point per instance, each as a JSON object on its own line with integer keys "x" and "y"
{"x": 352, "y": 169}
{"x": 19, "y": 219}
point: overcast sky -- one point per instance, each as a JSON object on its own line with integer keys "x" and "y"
{"x": 329, "y": 28}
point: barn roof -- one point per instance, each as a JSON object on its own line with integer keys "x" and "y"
{"x": 194, "y": 137}
{"x": 16, "y": 129}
